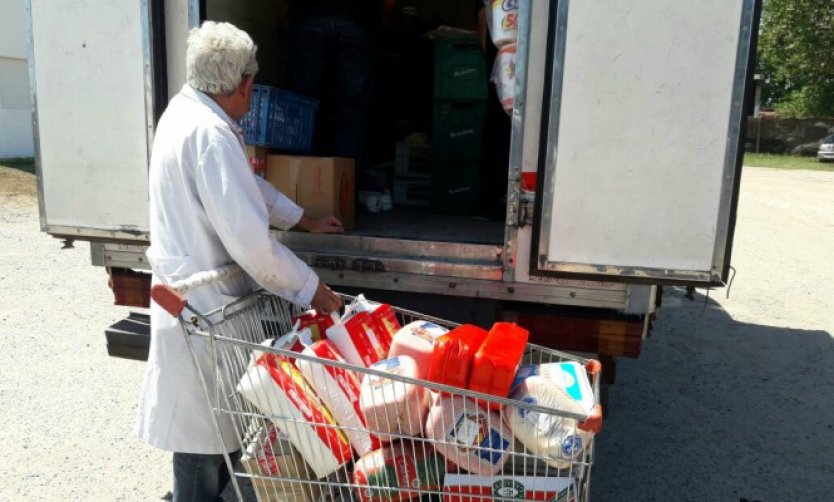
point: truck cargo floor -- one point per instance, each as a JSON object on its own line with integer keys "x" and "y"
{"x": 419, "y": 224}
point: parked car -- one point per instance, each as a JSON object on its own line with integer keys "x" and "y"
{"x": 826, "y": 150}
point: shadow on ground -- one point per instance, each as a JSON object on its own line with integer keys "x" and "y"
{"x": 720, "y": 410}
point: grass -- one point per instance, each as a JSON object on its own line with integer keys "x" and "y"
{"x": 26, "y": 164}
{"x": 786, "y": 162}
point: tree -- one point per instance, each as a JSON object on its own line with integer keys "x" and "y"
{"x": 796, "y": 53}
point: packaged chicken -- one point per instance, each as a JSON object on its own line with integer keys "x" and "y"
{"x": 388, "y": 473}
{"x": 555, "y": 438}
{"x": 338, "y": 388}
{"x": 568, "y": 375}
{"x": 497, "y": 360}
{"x": 417, "y": 340}
{"x": 451, "y": 361}
{"x": 472, "y": 438}
{"x": 277, "y": 389}
{"x": 391, "y": 406}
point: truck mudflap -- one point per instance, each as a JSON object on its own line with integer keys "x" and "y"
{"x": 130, "y": 288}
{"x": 603, "y": 334}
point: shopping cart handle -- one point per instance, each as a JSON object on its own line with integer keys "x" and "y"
{"x": 592, "y": 366}
{"x": 594, "y": 421}
{"x": 167, "y": 297}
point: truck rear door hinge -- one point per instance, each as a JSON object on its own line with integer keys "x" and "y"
{"x": 521, "y": 209}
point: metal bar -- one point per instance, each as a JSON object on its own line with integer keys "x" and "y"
{"x": 742, "y": 81}
{"x": 33, "y": 96}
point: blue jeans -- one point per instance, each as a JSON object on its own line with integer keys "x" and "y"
{"x": 200, "y": 478}
{"x": 332, "y": 61}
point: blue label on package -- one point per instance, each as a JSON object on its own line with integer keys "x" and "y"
{"x": 523, "y": 372}
{"x": 496, "y": 445}
{"x": 571, "y": 446}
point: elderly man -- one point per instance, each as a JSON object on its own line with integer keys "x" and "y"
{"x": 206, "y": 209}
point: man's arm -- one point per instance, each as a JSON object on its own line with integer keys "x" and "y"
{"x": 236, "y": 210}
{"x": 285, "y": 214}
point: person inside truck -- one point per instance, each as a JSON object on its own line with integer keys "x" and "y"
{"x": 332, "y": 60}
{"x": 496, "y": 134}
{"x": 207, "y": 209}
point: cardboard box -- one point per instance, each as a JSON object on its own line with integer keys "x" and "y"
{"x": 473, "y": 488}
{"x": 321, "y": 185}
{"x": 257, "y": 159}
{"x": 270, "y": 455}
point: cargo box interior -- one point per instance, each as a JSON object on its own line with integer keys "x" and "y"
{"x": 423, "y": 138}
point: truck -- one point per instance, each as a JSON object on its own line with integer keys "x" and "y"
{"x": 624, "y": 169}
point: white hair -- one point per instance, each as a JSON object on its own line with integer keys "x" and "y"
{"x": 217, "y": 58}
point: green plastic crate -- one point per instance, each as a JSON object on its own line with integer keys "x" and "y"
{"x": 457, "y": 128}
{"x": 459, "y": 70}
{"x": 454, "y": 187}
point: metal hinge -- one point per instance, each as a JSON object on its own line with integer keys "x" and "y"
{"x": 520, "y": 211}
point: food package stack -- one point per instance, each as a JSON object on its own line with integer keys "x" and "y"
{"x": 270, "y": 455}
{"x": 402, "y": 434}
{"x": 502, "y": 21}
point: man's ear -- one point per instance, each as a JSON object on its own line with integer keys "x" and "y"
{"x": 245, "y": 86}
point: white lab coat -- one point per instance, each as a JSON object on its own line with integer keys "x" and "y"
{"x": 206, "y": 209}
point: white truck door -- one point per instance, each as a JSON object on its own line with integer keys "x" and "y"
{"x": 91, "y": 68}
{"x": 641, "y": 141}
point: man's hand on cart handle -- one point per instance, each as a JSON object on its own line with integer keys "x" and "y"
{"x": 325, "y": 301}
{"x": 324, "y": 225}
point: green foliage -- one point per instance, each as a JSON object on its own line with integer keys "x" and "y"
{"x": 796, "y": 52}
{"x": 23, "y": 163}
{"x": 785, "y": 162}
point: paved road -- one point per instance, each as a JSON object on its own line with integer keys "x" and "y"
{"x": 732, "y": 398}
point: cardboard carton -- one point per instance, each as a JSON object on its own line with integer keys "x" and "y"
{"x": 473, "y": 488}
{"x": 321, "y": 185}
{"x": 270, "y": 455}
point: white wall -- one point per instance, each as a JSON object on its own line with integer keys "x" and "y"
{"x": 15, "y": 101}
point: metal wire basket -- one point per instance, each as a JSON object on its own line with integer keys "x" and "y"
{"x": 390, "y": 436}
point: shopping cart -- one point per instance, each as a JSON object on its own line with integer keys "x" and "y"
{"x": 295, "y": 450}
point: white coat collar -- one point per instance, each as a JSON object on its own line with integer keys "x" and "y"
{"x": 205, "y": 99}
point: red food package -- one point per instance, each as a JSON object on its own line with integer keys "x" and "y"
{"x": 387, "y": 324}
{"x": 356, "y": 339}
{"x": 451, "y": 360}
{"x": 393, "y": 472}
{"x": 318, "y": 323}
{"x": 496, "y": 362}
{"x": 385, "y": 320}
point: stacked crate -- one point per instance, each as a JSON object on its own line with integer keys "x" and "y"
{"x": 412, "y": 171}
{"x": 460, "y": 94}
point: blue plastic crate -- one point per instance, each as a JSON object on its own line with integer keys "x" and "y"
{"x": 280, "y": 119}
